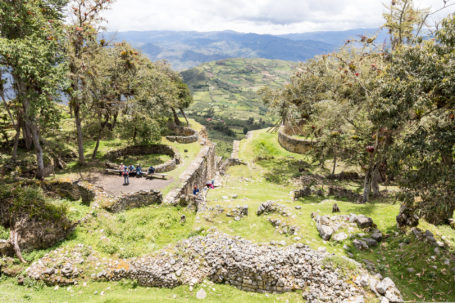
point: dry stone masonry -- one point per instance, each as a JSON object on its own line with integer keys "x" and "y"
{"x": 136, "y": 200}
{"x": 221, "y": 259}
{"x": 294, "y": 145}
{"x": 202, "y": 169}
{"x": 184, "y": 135}
{"x": 149, "y": 149}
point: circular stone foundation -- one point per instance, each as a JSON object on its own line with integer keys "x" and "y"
{"x": 292, "y": 144}
{"x": 184, "y": 135}
{"x": 149, "y": 149}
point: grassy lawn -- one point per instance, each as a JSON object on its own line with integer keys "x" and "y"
{"x": 127, "y": 292}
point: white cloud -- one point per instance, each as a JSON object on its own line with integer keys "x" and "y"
{"x": 259, "y": 16}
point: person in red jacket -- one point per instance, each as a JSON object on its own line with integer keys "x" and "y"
{"x": 125, "y": 173}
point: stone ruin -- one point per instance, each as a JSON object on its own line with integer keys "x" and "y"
{"x": 183, "y": 135}
{"x": 292, "y": 144}
{"x": 144, "y": 150}
{"x": 202, "y": 169}
{"x": 136, "y": 200}
{"x": 222, "y": 259}
{"x": 341, "y": 227}
{"x": 336, "y": 191}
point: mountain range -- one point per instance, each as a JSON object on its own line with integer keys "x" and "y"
{"x": 187, "y": 49}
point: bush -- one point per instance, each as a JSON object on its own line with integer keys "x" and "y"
{"x": 19, "y": 201}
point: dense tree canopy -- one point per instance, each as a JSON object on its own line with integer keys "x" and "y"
{"x": 111, "y": 89}
{"x": 387, "y": 109}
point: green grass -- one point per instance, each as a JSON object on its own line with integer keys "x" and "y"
{"x": 144, "y": 160}
{"x": 135, "y": 232}
{"x": 253, "y": 185}
{"x": 127, "y": 292}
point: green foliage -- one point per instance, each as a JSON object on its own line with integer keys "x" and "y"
{"x": 4, "y": 232}
{"x": 29, "y": 201}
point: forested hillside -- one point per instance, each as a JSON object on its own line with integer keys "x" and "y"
{"x": 185, "y": 50}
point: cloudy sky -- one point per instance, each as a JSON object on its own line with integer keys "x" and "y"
{"x": 258, "y": 16}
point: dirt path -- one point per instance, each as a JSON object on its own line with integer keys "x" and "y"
{"x": 114, "y": 184}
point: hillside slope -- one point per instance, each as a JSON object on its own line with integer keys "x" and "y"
{"x": 229, "y": 87}
{"x": 225, "y": 95}
{"x": 185, "y": 50}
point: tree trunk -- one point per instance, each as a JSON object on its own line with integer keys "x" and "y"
{"x": 369, "y": 175}
{"x": 80, "y": 143}
{"x": 134, "y": 134}
{"x": 14, "y": 241}
{"x": 16, "y": 141}
{"x": 114, "y": 122}
{"x": 176, "y": 118}
{"x": 186, "y": 119}
{"x": 366, "y": 187}
{"x": 102, "y": 126}
{"x": 375, "y": 179}
{"x": 334, "y": 164}
{"x": 38, "y": 150}
{"x": 27, "y": 136}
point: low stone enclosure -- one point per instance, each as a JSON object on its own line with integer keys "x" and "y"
{"x": 226, "y": 260}
{"x": 183, "y": 135}
{"x": 149, "y": 149}
{"x": 136, "y": 200}
{"x": 202, "y": 169}
{"x": 291, "y": 144}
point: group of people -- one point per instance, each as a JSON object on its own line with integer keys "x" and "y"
{"x": 209, "y": 184}
{"x": 126, "y": 171}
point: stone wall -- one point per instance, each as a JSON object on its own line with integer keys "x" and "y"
{"x": 184, "y": 135}
{"x": 228, "y": 260}
{"x": 202, "y": 169}
{"x": 150, "y": 149}
{"x": 136, "y": 200}
{"x": 294, "y": 145}
{"x": 69, "y": 190}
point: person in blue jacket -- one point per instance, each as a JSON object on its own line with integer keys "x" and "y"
{"x": 195, "y": 190}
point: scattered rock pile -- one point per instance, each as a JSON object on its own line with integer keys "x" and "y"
{"x": 338, "y": 192}
{"x": 341, "y": 192}
{"x": 384, "y": 289}
{"x": 284, "y": 228}
{"x": 427, "y": 236}
{"x": 238, "y": 212}
{"x": 272, "y": 207}
{"x": 328, "y": 226}
{"x": 65, "y": 267}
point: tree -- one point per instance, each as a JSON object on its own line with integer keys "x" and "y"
{"x": 417, "y": 93}
{"x": 31, "y": 51}
{"x": 82, "y": 45}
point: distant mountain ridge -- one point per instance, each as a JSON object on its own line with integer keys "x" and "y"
{"x": 187, "y": 49}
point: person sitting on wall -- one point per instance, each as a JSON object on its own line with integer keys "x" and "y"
{"x": 151, "y": 170}
{"x": 209, "y": 184}
{"x": 195, "y": 190}
{"x": 121, "y": 168}
{"x": 138, "y": 171}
